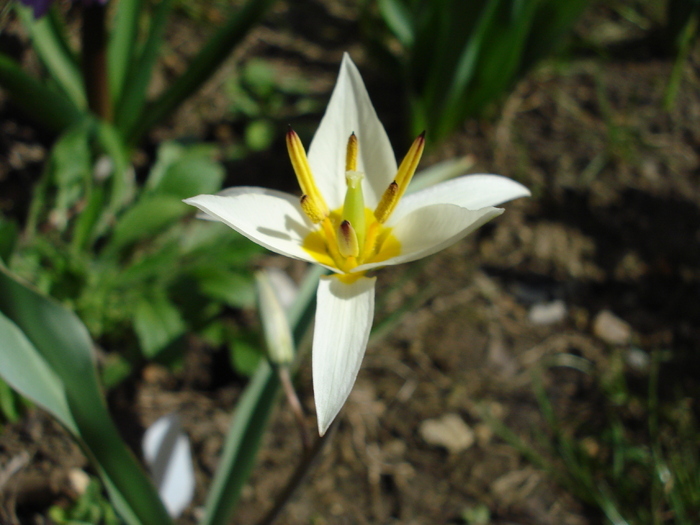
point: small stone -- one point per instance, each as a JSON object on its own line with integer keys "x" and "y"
{"x": 611, "y": 329}
{"x": 78, "y": 480}
{"x": 547, "y": 313}
{"x": 449, "y": 431}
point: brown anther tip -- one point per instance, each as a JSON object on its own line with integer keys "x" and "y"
{"x": 345, "y": 225}
{"x": 303, "y": 198}
{"x": 290, "y": 130}
{"x": 394, "y": 186}
{"x": 422, "y": 135}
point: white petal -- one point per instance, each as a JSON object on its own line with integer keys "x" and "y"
{"x": 166, "y": 450}
{"x": 344, "y": 315}
{"x": 471, "y": 191}
{"x": 272, "y": 219}
{"x": 430, "y": 229}
{"x": 350, "y": 110}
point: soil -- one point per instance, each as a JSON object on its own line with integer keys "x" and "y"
{"x": 602, "y": 264}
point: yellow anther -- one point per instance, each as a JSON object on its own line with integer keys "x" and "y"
{"x": 387, "y": 203}
{"x": 347, "y": 240}
{"x": 351, "y": 153}
{"x": 310, "y": 209}
{"x": 306, "y": 179}
{"x": 396, "y": 189}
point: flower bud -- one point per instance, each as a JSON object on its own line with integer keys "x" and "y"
{"x": 278, "y": 334}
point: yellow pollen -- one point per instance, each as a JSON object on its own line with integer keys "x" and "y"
{"x": 396, "y": 189}
{"x": 316, "y": 204}
{"x": 351, "y": 235}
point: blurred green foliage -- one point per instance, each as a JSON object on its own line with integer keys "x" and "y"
{"x": 266, "y": 101}
{"x": 457, "y": 57}
{"x": 141, "y": 274}
{"x": 90, "y": 508}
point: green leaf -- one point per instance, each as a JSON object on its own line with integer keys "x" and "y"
{"x": 26, "y": 371}
{"x": 201, "y": 67}
{"x": 120, "y": 51}
{"x": 191, "y": 175}
{"x": 244, "y": 353}
{"x": 252, "y": 415}
{"x": 140, "y": 68}
{"x": 8, "y": 238}
{"x": 52, "y": 52}
{"x": 398, "y": 18}
{"x": 259, "y": 134}
{"x": 157, "y": 323}
{"x": 242, "y": 443}
{"x": 63, "y": 342}
{"x": 46, "y": 106}
{"x": 145, "y": 219}
{"x": 235, "y": 289}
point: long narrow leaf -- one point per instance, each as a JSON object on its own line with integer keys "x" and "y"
{"x": 133, "y": 95}
{"x": 202, "y": 66}
{"x": 63, "y": 342}
{"x": 52, "y": 52}
{"x": 120, "y": 52}
{"x": 26, "y": 371}
{"x": 252, "y": 415}
{"x": 45, "y": 106}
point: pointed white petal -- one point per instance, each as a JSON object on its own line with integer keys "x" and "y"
{"x": 350, "y": 110}
{"x": 272, "y": 219}
{"x": 471, "y": 191}
{"x": 166, "y": 450}
{"x": 430, "y": 229}
{"x": 344, "y": 314}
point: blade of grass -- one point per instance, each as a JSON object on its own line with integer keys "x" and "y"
{"x": 201, "y": 67}
{"x": 50, "y": 49}
{"x": 41, "y": 104}
{"x": 122, "y": 42}
{"x": 134, "y": 95}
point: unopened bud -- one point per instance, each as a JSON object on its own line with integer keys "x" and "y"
{"x": 278, "y": 334}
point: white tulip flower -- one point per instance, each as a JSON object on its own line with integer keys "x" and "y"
{"x": 352, "y": 218}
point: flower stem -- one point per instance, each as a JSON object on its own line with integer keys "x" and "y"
{"x": 297, "y": 477}
{"x": 297, "y": 409}
{"x": 94, "y": 47}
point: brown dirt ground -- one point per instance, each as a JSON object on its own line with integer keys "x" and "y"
{"x": 613, "y": 224}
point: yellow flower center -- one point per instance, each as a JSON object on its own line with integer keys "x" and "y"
{"x": 353, "y": 234}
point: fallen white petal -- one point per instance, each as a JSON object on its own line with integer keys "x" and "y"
{"x": 433, "y": 228}
{"x": 272, "y": 219}
{"x": 350, "y": 110}
{"x": 344, "y": 314}
{"x": 471, "y": 191}
{"x": 166, "y": 450}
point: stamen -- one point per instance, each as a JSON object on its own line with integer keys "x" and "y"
{"x": 408, "y": 166}
{"x": 351, "y": 153}
{"x": 387, "y": 203}
{"x": 306, "y": 179}
{"x": 347, "y": 240}
{"x": 310, "y": 209}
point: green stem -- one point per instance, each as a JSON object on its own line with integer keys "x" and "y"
{"x": 94, "y": 46}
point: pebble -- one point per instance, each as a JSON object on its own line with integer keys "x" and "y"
{"x": 547, "y": 313}
{"x": 449, "y": 431}
{"x": 611, "y": 329}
